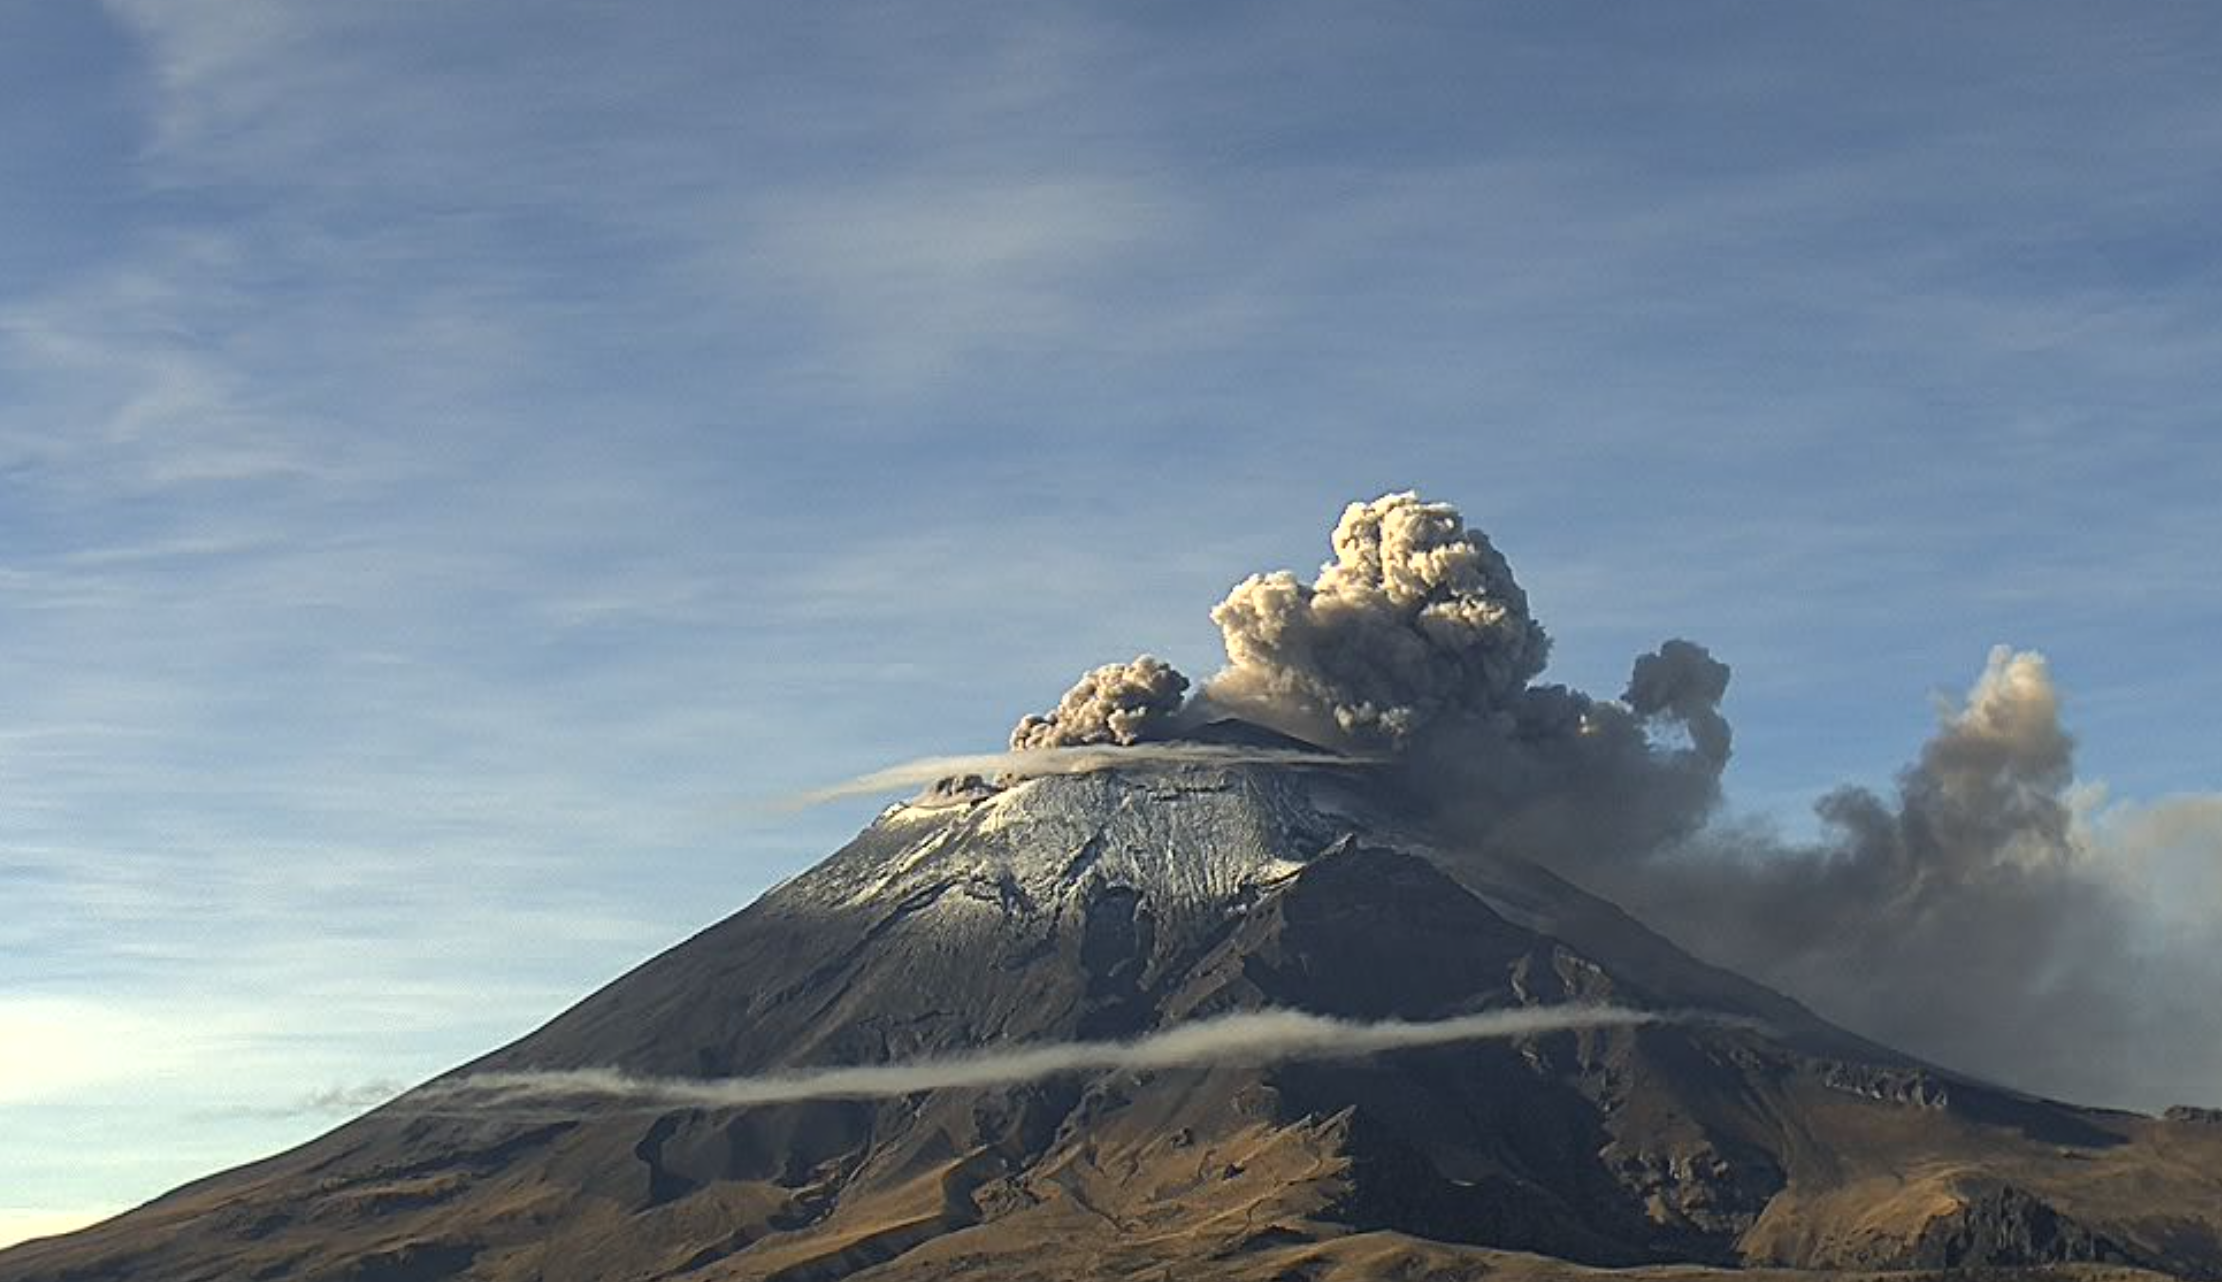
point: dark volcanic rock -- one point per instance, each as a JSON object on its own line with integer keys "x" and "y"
{"x": 2003, "y": 1225}
{"x": 1912, "y": 1087}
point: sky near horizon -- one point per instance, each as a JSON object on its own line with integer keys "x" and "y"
{"x": 459, "y": 463}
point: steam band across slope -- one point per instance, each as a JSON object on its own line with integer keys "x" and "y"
{"x": 1250, "y": 1038}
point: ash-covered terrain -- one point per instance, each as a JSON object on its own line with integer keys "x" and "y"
{"x": 1381, "y": 837}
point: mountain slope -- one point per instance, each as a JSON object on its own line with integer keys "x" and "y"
{"x": 1111, "y": 904}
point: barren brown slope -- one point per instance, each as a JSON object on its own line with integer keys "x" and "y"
{"x": 1120, "y": 902}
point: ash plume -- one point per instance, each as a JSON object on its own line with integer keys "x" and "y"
{"x": 1416, "y": 618}
{"x": 1570, "y": 780}
{"x": 1251, "y": 1038}
{"x": 1984, "y": 914}
{"x": 1684, "y": 683}
{"x": 1118, "y": 703}
{"x": 1975, "y": 915}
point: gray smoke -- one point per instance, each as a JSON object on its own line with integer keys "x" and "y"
{"x": 1683, "y": 682}
{"x": 1118, "y": 703}
{"x": 1972, "y": 917}
{"x": 1984, "y": 914}
{"x": 1258, "y": 1037}
{"x": 1416, "y": 618}
{"x": 1570, "y": 780}
{"x": 1975, "y": 915}
{"x": 1416, "y": 638}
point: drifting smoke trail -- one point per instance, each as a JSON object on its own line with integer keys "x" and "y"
{"x": 1972, "y": 915}
{"x": 1032, "y": 762}
{"x": 1260, "y": 1037}
{"x": 342, "y": 1100}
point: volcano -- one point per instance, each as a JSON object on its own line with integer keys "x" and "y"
{"x": 1137, "y": 898}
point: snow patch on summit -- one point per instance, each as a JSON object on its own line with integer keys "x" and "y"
{"x": 1183, "y": 838}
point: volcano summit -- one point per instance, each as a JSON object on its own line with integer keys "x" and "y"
{"x": 1290, "y": 979}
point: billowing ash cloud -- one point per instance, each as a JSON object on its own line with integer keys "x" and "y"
{"x": 1417, "y": 617}
{"x": 1685, "y": 683}
{"x": 1253, "y": 1037}
{"x": 1974, "y": 915}
{"x": 1118, "y": 703}
{"x": 1570, "y": 780}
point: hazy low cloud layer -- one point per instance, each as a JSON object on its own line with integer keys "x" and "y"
{"x": 1258, "y": 1037}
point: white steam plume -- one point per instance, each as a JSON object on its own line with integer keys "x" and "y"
{"x": 1034, "y": 762}
{"x": 1259, "y": 1037}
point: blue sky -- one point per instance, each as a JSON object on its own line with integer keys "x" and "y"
{"x": 458, "y": 461}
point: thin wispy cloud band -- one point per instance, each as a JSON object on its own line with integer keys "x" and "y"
{"x": 1249, "y": 1038}
{"x": 1035, "y": 763}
